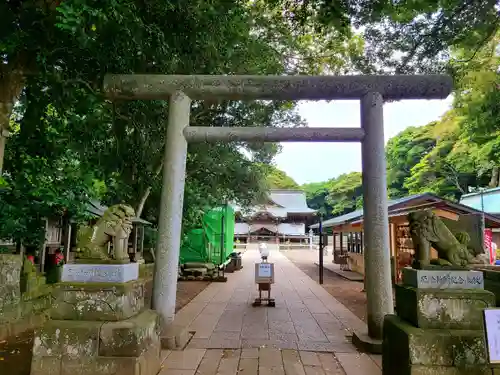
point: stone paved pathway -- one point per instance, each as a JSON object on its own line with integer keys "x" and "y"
{"x": 307, "y": 333}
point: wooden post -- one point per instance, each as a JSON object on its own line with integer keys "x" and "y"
{"x": 134, "y": 242}
{"x": 42, "y": 254}
{"x": 141, "y": 247}
{"x": 394, "y": 250}
{"x": 134, "y": 239}
{"x": 67, "y": 245}
{"x": 334, "y": 247}
{"x": 341, "y": 234}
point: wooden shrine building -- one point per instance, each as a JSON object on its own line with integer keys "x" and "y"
{"x": 283, "y": 217}
{"x": 348, "y": 242}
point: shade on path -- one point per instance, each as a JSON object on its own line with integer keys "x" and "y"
{"x": 308, "y": 330}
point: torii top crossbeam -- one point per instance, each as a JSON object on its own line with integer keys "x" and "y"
{"x": 199, "y": 87}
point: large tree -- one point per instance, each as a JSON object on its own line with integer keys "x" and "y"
{"x": 55, "y": 56}
{"x": 278, "y": 179}
{"x": 406, "y": 36}
{"x": 403, "y": 152}
{"x": 336, "y": 196}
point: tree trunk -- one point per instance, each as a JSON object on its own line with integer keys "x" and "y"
{"x": 142, "y": 202}
{"x": 3, "y": 140}
{"x": 494, "y": 178}
{"x": 145, "y": 195}
{"x": 11, "y": 85}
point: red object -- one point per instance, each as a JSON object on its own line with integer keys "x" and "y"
{"x": 58, "y": 258}
{"x": 488, "y": 237}
{"x": 31, "y": 258}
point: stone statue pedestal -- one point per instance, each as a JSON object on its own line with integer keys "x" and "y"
{"x": 100, "y": 273}
{"x": 438, "y": 327}
{"x": 443, "y": 279}
{"x": 98, "y": 325}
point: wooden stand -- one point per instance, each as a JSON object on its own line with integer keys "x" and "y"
{"x": 270, "y": 301}
{"x": 264, "y": 277}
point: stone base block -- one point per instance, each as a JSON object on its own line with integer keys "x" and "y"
{"x": 97, "y": 301}
{"x": 147, "y": 364}
{"x": 443, "y": 279}
{"x": 410, "y": 350}
{"x": 443, "y": 309}
{"x": 67, "y": 347}
{"x": 131, "y": 337}
{"x": 100, "y": 273}
{"x": 174, "y": 337}
{"x": 365, "y": 343}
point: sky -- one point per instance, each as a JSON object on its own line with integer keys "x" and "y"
{"x": 315, "y": 162}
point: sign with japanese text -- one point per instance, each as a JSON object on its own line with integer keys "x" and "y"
{"x": 264, "y": 273}
{"x": 492, "y": 333}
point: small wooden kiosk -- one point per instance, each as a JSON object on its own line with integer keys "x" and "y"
{"x": 349, "y": 245}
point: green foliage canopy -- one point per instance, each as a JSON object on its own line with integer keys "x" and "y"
{"x": 70, "y": 145}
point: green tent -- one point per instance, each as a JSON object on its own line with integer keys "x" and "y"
{"x": 214, "y": 241}
{"x": 218, "y": 225}
{"x": 193, "y": 247}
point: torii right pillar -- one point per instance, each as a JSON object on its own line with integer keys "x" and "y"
{"x": 376, "y": 224}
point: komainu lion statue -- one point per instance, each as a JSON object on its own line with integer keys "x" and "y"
{"x": 427, "y": 230}
{"x": 115, "y": 225}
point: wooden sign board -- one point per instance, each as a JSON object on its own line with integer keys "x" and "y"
{"x": 264, "y": 273}
{"x": 492, "y": 332}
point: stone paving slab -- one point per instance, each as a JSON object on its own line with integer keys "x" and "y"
{"x": 307, "y": 324}
{"x": 266, "y": 361}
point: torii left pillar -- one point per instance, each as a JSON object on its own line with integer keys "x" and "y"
{"x": 171, "y": 207}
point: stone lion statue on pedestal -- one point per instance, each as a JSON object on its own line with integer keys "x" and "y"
{"x": 114, "y": 227}
{"x": 427, "y": 230}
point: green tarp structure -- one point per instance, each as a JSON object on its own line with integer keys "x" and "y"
{"x": 214, "y": 241}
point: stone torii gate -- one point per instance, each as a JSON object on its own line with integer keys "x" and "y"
{"x": 370, "y": 90}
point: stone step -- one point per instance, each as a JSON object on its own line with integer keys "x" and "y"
{"x": 175, "y": 337}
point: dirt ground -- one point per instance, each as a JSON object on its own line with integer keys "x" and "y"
{"x": 187, "y": 290}
{"x": 347, "y": 292}
{"x": 15, "y": 353}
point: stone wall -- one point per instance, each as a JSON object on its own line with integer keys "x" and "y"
{"x": 20, "y": 310}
